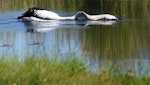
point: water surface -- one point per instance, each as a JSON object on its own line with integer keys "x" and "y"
{"x": 124, "y": 44}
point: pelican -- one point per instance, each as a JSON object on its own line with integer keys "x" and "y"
{"x": 38, "y": 14}
{"x": 81, "y": 15}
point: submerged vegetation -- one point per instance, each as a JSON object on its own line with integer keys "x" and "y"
{"x": 44, "y": 71}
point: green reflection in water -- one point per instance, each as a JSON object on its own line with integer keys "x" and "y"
{"x": 121, "y": 41}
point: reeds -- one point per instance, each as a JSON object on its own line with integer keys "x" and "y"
{"x": 42, "y": 70}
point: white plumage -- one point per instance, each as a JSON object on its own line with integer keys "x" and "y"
{"x": 102, "y": 17}
{"x": 47, "y": 14}
{"x": 37, "y": 14}
{"x": 86, "y": 16}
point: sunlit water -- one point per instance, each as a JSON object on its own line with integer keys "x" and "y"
{"x": 105, "y": 45}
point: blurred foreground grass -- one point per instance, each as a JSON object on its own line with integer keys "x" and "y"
{"x": 69, "y": 71}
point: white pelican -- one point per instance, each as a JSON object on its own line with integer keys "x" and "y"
{"x": 38, "y": 14}
{"x": 84, "y": 16}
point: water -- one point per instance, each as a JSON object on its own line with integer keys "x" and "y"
{"x": 124, "y": 44}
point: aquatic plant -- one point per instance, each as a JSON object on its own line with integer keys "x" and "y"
{"x": 42, "y": 70}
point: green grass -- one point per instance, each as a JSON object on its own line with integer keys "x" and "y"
{"x": 69, "y": 71}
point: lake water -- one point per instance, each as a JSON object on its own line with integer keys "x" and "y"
{"x": 106, "y": 45}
